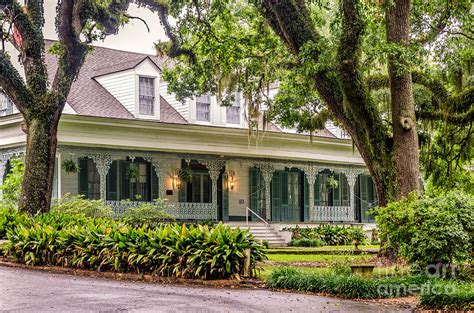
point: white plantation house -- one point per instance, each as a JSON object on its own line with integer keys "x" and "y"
{"x": 133, "y": 140}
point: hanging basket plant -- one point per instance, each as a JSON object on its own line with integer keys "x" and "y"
{"x": 186, "y": 174}
{"x": 332, "y": 182}
{"x": 133, "y": 173}
{"x": 70, "y": 166}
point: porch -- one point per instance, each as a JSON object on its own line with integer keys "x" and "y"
{"x": 218, "y": 188}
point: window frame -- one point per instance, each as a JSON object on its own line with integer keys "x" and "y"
{"x": 208, "y": 104}
{"x": 236, "y": 107}
{"x": 9, "y": 108}
{"x": 151, "y": 97}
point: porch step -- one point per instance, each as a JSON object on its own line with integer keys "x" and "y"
{"x": 262, "y": 232}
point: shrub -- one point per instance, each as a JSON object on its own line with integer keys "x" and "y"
{"x": 448, "y": 294}
{"x": 343, "y": 285}
{"x": 332, "y": 235}
{"x": 9, "y": 218}
{"x": 77, "y": 205}
{"x": 429, "y": 230}
{"x": 11, "y": 187}
{"x": 106, "y": 244}
{"x": 151, "y": 214}
{"x": 306, "y": 243}
{"x": 357, "y": 235}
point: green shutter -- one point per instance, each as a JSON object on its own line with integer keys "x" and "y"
{"x": 363, "y": 197}
{"x": 225, "y": 197}
{"x": 344, "y": 190}
{"x": 305, "y": 199}
{"x": 254, "y": 185}
{"x": 55, "y": 180}
{"x": 284, "y": 191}
{"x": 112, "y": 193}
{"x": 83, "y": 184}
{"x": 155, "y": 184}
{"x": 276, "y": 197}
{"x": 124, "y": 181}
{"x": 336, "y": 196}
{"x": 317, "y": 191}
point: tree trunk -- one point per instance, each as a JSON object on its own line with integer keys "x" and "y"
{"x": 405, "y": 137}
{"x": 39, "y": 163}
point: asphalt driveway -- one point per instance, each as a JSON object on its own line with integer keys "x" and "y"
{"x": 34, "y": 291}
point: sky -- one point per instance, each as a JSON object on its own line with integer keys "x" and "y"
{"x": 132, "y": 37}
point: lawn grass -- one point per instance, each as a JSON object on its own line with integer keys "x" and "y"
{"x": 328, "y": 248}
{"x": 379, "y": 271}
{"x": 319, "y": 258}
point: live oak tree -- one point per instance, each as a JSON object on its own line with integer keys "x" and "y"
{"x": 352, "y": 61}
{"x": 40, "y": 101}
{"x": 332, "y": 60}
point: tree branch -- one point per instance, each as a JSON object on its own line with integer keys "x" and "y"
{"x": 138, "y": 18}
{"x": 438, "y": 90}
{"x": 31, "y": 48}
{"x": 69, "y": 26}
{"x": 358, "y": 103}
{"x": 175, "y": 49}
{"x": 13, "y": 85}
{"x": 438, "y": 27}
{"x": 448, "y": 117}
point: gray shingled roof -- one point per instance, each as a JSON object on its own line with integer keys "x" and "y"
{"x": 88, "y": 97}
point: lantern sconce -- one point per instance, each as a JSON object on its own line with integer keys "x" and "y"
{"x": 176, "y": 180}
{"x": 231, "y": 182}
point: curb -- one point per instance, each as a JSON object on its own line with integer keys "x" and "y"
{"x": 218, "y": 283}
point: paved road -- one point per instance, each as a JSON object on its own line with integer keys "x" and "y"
{"x": 33, "y": 291}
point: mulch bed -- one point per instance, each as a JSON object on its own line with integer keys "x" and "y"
{"x": 217, "y": 283}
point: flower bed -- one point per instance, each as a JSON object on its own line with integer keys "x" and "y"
{"x": 108, "y": 245}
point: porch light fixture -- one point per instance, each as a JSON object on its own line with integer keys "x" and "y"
{"x": 231, "y": 175}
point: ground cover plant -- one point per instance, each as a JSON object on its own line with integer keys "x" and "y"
{"x": 434, "y": 292}
{"x": 105, "y": 244}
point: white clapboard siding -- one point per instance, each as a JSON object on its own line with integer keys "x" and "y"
{"x": 182, "y": 108}
{"x": 122, "y": 86}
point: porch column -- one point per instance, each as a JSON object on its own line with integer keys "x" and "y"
{"x": 102, "y": 163}
{"x": 267, "y": 170}
{"x": 214, "y": 167}
{"x": 160, "y": 171}
{"x": 351, "y": 176}
{"x": 311, "y": 172}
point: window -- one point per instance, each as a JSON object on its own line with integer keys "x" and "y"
{"x": 233, "y": 112}
{"x": 6, "y": 106}
{"x": 201, "y": 188}
{"x": 136, "y": 181}
{"x": 89, "y": 185}
{"x": 146, "y": 95}
{"x": 203, "y": 108}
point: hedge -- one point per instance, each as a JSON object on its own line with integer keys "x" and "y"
{"x": 108, "y": 245}
{"x": 448, "y": 294}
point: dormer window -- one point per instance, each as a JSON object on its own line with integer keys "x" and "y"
{"x": 6, "y": 106}
{"x": 146, "y": 95}
{"x": 203, "y": 108}
{"x": 233, "y": 111}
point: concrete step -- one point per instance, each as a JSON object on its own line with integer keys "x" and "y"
{"x": 261, "y": 232}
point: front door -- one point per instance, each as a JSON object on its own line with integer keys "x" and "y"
{"x": 287, "y": 200}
